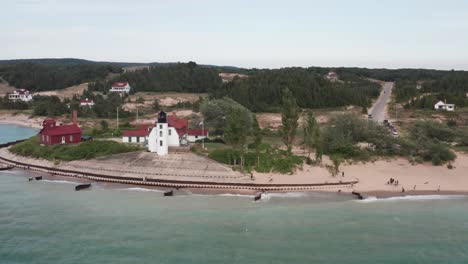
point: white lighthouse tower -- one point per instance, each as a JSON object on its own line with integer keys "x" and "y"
{"x": 157, "y": 140}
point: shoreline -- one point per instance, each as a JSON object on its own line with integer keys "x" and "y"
{"x": 21, "y": 120}
{"x": 338, "y": 187}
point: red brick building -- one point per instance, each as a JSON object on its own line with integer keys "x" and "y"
{"x": 52, "y": 134}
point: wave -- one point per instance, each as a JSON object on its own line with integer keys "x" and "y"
{"x": 139, "y": 189}
{"x": 412, "y": 198}
{"x": 267, "y": 196}
{"x": 62, "y": 181}
{"x": 223, "y": 194}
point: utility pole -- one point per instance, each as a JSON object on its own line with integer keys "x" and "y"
{"x": 117, "y": 117}
{"x": 137, "y": 112}
{"x": 203, "y": 134}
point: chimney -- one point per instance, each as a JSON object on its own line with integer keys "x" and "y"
{"x": 75, "y": 117}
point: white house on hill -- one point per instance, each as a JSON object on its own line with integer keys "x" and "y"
{"x": 20, "y": 95}
{"x": 87, "y": 102}
{"x": 332, "y": 76}
{"x": 162, "y": 136}
{"x": 120, "y": 87}
{"x": 443, "y": 106}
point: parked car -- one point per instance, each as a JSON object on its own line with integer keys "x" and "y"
{"x": 86, "y": 138}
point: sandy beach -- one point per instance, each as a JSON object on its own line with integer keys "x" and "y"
{"x": 21, "y": 120}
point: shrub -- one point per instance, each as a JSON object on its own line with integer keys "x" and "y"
{"x": 84, "y": 150}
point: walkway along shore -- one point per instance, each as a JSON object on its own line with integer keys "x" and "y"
{"x": 336, "y": 186}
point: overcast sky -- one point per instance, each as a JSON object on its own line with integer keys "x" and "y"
{"x": 262, "y": 34}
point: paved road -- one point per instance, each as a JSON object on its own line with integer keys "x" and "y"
{"x": 378, "y": 110}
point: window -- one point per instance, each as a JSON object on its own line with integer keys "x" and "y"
{"x": 160, "y": 133}
{"x": 160, "y": 143}
{"x": 196, "y": 136}
{"x": 71, "y": 138}
{"x": 48, "y": 138}
{"x": 169, "y": 132}
{"x": 160, "y": 126}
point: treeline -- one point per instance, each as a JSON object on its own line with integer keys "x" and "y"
{"x": 424, "y": 94}
{"x": 105, "y": 107}
{"x": 180, "y": 77}
{"x": 42, "y": 77}
{"x": 261, "y": 92}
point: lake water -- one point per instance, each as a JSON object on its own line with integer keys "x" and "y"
{"x": 12, "y": 132}
{"x": 48, "y": 222}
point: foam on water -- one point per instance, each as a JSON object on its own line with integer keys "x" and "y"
{"x": 268, "y": 196}
{"x": 61, "y": 181}
{"x": 223, "y": 194}
{"x": 139, "y": 189}
{"x": 372, "y": 199}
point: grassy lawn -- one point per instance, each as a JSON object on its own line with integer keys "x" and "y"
{"x": 84, "y": 150}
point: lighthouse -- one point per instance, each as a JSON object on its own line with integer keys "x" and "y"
{"x": 157, "y": 141}
{"x": 162, "y": 136}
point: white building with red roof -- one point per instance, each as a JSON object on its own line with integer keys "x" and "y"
{"x": 137, "y": 136}
{"x": 163, "y": 136}
{"x": 20, "y": 95}
{"x": 87, "y": 102}
{"x": 120, "y": 87}
{"x": 332, "y": 76}
{"x": 196, "y": 134}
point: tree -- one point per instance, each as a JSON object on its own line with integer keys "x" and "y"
{"x": 104, "y": 125}
{"x": 257, "y": 133}
{"x": 289, "y": 118}
{"x": 312, "y": 135}
{"x": 235, "y": 132}
{"x": 155, "y": 105}
{"x": 217, "y": 111}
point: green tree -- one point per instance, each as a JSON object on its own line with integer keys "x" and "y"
{"x": 257, "y": 133}
{"x": 312, "y": 135}
{"x": 235, "y": 132}
{"x": 155, "y": 105}
{"x": 289, "y": 118}
{"x": 104, "y": 125}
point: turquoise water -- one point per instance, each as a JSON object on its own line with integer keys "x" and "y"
{"x": 11, "y": 133}
{"x": 48, "y": 222}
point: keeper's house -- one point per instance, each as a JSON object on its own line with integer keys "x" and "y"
{"x": 120, "y": 87}
{"x": 196, "y": 134}
{"x": 52, "y": 134}
{"x": 137, "y": 136}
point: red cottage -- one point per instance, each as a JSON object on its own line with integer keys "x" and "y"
{"x": 52, "y": 133}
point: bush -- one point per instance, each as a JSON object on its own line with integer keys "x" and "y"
{"x": 84, "y": 150}
{"x": 273, "y": 159}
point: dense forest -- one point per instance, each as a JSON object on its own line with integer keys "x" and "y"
{"x": 262, "y": 91}
{"x": 40, "y": 77}
{"x": 452, "y": 87}
{"x": 180, "y": 77}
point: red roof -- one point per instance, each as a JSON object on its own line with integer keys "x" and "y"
{"x": 86, "y": 101}
{"x": 198, "y": 132}
{"x": 61, "y": 130}
{"x": 21, "y": 91}
{"x": 180, "y": 124}
{"x": 135, "y": 133}
{"x": 120, "y": 84}
{"x": 142, "y": 132}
